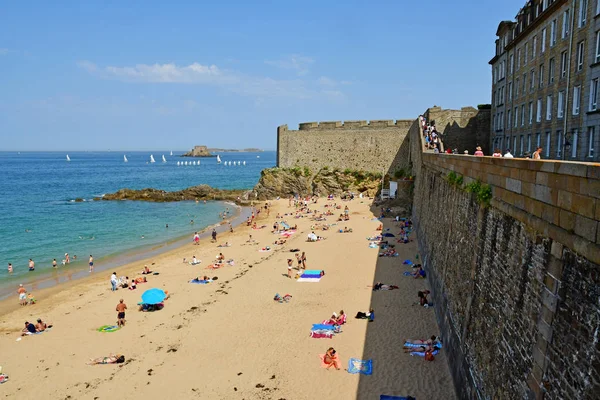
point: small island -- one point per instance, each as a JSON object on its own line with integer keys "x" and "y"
{"x": 198, "y": 151}
{"x": 249, "y": 150}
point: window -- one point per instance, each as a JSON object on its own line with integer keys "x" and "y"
{"x": 516, "y": 116}
{"x": 598, "y": 44}
{"x": 508, "y": 118}
{"x": 514, "y": 144}
{"x": 494, "y": 97}
{"x": 591, "y": 134}
{"x": 548, "y": 107}
{"x": 524, "y": 84}
{"x": 580, "y": 55}
{"x": 512, "y": 64}
{"x": 534, "y": 47}
{"x": 547, "y": 145}
{"x": 559, "y": 144}
{"x": 576, "y": 99}
{"x": 525, "y": 53}
{"x": 494, "y": 122}
{"x": 507, "y": 142}
{"x": 538, "y": 140}
{"x": 553, "y": 33}
{"x": 597, "y": 7}
{"x": 565, "y": 24}
{"x": 510, "y": 90}
{"x": 544, "y": 5}
{"x": 530, "y": 112}
{"x": 561, "y": 105}
{"x": 574, "y": 144}
{"x": 541, "y": 77}
{"x": 522, "y": 144}
{"x": 538, "y": 113}
{"x": 518, "y": 58}
{"x": 517, "y": 88}
{"x": 594, "y": 95}
{"x": 582, "y": 13}
{"x": 563, "y": 64}
{"x": 551, "y": 71}
{"x": 523, "y": 115}
{"x": 529, "y": 143}
{"x": 532, "y": 79}
{"x": 543, "y": 40}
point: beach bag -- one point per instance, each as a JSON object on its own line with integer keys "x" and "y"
{"x": 429, "y": 356}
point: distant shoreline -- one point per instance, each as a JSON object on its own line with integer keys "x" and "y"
{"x": 251, "y": 150}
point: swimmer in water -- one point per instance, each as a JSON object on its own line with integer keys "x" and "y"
{"x": 142, "y": 236}
{"x": 54, "y": 265}
{"x": 91, "y": 262}
{"x": 192, "y": 222}
{"x": 167, "y": 226}
{"x": 31, "y": 265}
{"x": 10, "y": 268}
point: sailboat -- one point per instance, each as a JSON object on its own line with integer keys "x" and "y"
{"x": 68, "y": 158}
{"x": 171, "y": 152}
{"x": 152, "y": 158}
{"x": 218, "y": 159}
{"x": 164, "y": 159}
{"x": 244, "y": 162}
{"x": 257, "y": 156}
{"x": 178, "y": 163}
{"x": 125, "y": 158}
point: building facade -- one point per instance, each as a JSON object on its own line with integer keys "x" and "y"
{"x": 545, "y": 80}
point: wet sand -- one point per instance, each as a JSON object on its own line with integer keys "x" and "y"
{"x": 229, "y": 339}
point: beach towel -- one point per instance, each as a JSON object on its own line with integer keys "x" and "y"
{"x": 308, "y": 279}
{"x": 264, "y": 250}
{"x": 436, "y": 345}
{"x": 327, "y": 327}
{"x": 201, "y": 282}
{"x": 318, "y": 276}
{"x": 108, "y": 328}
{"x": 356, "y": 366}
{"x": 321, "y": 334}
{"x": 386, "y": 397}
{"x": 3, "y": 378}
{"x": 407, "y": 273}
{"x": 422, "y": 353}
{"x": 312, "y": 271}
{"x": 407, "y": 262}
{"x": 286, "y": 226}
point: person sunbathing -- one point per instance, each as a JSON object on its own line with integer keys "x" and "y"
{"x": 227, "y": 244}
{"x": 146, "y": 270}
{"x": 341, "y": 319}
{"x": 41, "y": 326}
{"x": 381, "y": 286}
{"x": 347, "y": 230}
{"x": 112, "y": 359}
{"x": 29, "y": 329}
{"x": 203, "y": 279}
{"x": 422, "y": 345}
{"x": 370, "y": 315}
{"x": 220, "y": 258}
{"x": 280, "y": 242}
{"x": 419, "y": 272}
{"x": 133, "y": 285}
{"x": 194, "y": 261}
{"x": 331, "y": 359}
{"x": 141, "y": 280}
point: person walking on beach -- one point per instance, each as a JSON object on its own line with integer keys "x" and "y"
{"x": 289, "y": 266}
{"x": 22, "y": 295}
{"x": 114, "y": 281}
{"x": 196, "y": 238}
{"x": 54, "y": 265}
{"x": 67, "y": 258}
{"x": 214, "y": 235}
{"x": 303, "y": 258}
{"x": 10, "y": 268}
{"x": 31, "y": 265}
{"x": 91, "y": 263}
{"x": 121, "y": 307}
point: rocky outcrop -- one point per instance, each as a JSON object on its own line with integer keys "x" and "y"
{"x": 201, "y": 192}
{"x": 284, "y": 182}
{"x": 198, "y": 151}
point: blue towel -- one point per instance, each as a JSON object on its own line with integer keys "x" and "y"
{"x": 323, "y": 327}
{"x": 356, "y": 366}
{"x": 407, "y": 273}
{"x": 437, "y": 345}
{"x": 286, "y": 226}
{"x": 407, "y": 262}
{"x": 310, "y": 276}
{"x": 202, "y": 282}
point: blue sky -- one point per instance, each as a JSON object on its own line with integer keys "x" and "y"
{"x": 145, "y": 75}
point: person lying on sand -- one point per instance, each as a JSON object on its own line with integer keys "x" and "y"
{"x": 203, "y": 279}
{"x": 331, "y": 359}
{"x": 422, "y": 294}
{"x": 423, "y": 345}
{"x": 227, "y": 244}
{"x": 112, "y": 359}
{"x": 370, "y": 315}
{"x": 146, "y": 270}
{"x": 280, "y": 242}
{"x": 150, "y": 307}
{"x": 381, "y": 286}
{"x": 133, "y": 285}
{"x": 220, "y": 258}
{"x": 195, "y": 261}
{"x": 347, "y": 230}
{"x": 29, "y": 329}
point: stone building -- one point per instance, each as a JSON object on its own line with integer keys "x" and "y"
{"x": 545, "y": 80}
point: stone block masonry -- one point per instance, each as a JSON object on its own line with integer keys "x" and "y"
{"x": 373, "y": 146}
{"x": 516, "y": 282}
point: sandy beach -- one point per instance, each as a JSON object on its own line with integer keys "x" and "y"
{"x": 229, "y": 339}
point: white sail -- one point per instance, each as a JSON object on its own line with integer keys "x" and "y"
{"x": 185, "y": 163}
{"x": 244, "y": 163}
{"x": 257, "y": 156}
{"x": 164, "y": 159}
{"x": 178, "y": 163}
{"x": 68, "y": 158}
{"x": 125, "y": 158}
{"x": 151, "y": 158}
{"x": 171, "y": 152}
{"x": 218, "y": 159}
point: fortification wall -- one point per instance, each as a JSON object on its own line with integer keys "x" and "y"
{"x": 516, "y": 283}
{"x": 357, "y": 145}
{"x": 462, "y": 129}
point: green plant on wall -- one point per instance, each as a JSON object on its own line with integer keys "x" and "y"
{"x": 307, "y": 172}
{"x": 483, "y": 193}
{"x": 400, "y": 173}
{"x": 451, "y": 178}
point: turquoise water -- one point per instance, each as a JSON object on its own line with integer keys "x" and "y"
{"x": 41, "y": 220}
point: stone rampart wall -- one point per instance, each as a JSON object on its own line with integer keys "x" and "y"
{"x": 462, "y": 129}
{"x": 516, "y": 283}
{"x": 373, "y": 146}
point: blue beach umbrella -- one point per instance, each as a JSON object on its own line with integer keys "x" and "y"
{"x": 388, "y": 235}
{"x": 153, "y": 296}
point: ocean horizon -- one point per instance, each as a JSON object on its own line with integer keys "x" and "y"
{"x": 42, "y": 220}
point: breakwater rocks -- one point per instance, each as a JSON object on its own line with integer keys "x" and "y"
{"x": 285, "y": 182}
{"x": 200, "y": 192}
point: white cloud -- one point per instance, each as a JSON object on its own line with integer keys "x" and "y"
{"x": 325, "y": 81}
{"x": 205, "y": 75}
{"x": 294, "y": 62}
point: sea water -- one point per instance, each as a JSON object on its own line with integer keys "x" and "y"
{"x": 41, "y": 219}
